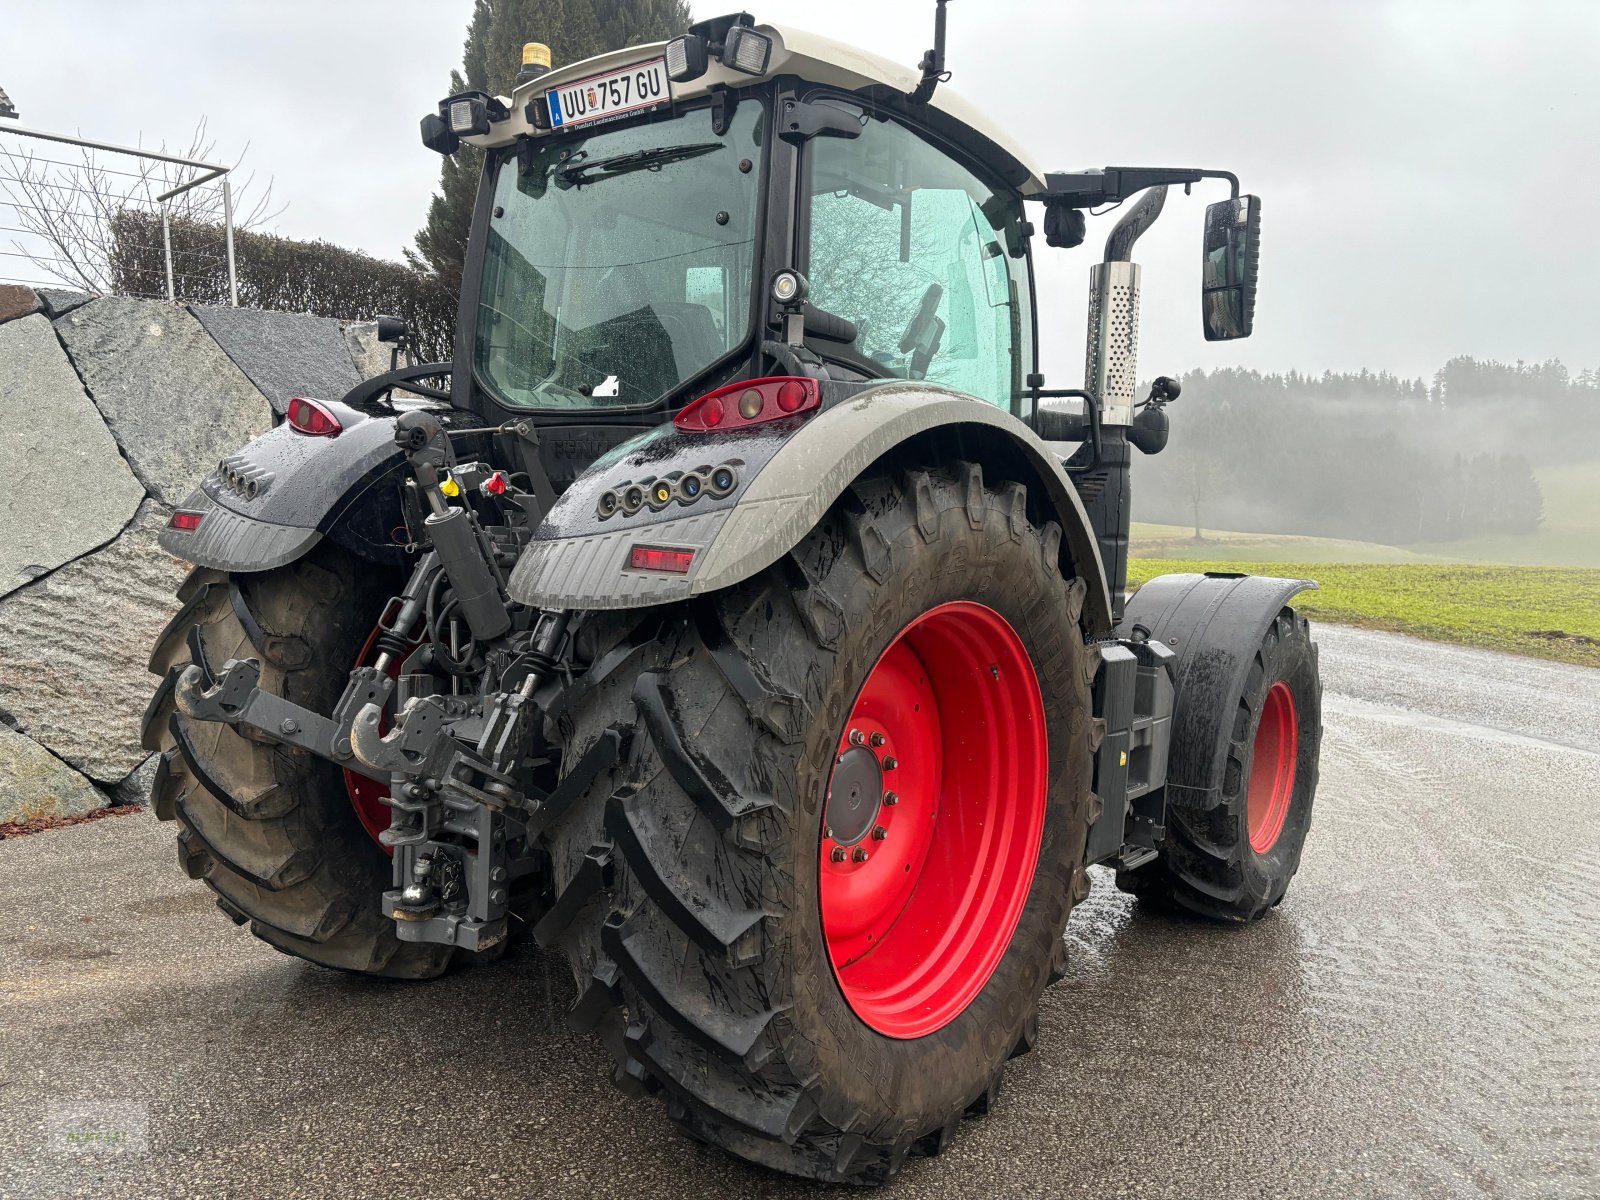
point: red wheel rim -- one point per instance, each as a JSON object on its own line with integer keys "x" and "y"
{"x": 923, "y": 881}
{"x": 1272, "y": 766}
{"x": 368, "y": 796}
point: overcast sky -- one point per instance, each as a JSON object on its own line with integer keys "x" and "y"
{"x": 1429, "y": 172}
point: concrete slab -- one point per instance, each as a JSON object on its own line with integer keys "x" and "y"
{"x": 284, "y": 354}
{"x": 58, "y": 302}
{"x": 40, "y": 785}
{"x": 73, "y": 648}
{"x": 174, "y": 401}
{"x": 64, "y": 486}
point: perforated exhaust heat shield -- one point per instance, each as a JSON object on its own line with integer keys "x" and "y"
{"x": 1111, "y": 365}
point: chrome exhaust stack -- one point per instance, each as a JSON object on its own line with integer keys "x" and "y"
{"x": 1111, "y": 366}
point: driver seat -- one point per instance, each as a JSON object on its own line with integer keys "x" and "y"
{"x": 693, "y": 330}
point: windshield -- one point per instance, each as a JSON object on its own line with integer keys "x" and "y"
{"x": 619, "y": 265}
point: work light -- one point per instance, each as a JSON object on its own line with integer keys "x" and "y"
{"x": 686, "y": 58}
{"x": 468, "y": 116}
{"x": 746, "y": 50}
{"x": 788, "y": 287}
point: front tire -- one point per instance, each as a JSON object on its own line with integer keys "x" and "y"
{"x": 693, "y": 885}
{"x": 270, "y": 829}
{"x": 1231, "y": 856}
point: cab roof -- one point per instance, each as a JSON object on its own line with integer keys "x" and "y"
{"x": 816, "y": 59}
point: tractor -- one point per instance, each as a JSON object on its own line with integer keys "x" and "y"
{"x": 738, "y": 614}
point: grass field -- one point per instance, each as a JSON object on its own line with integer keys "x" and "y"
{"x": 1175, "y": 541}
{"x": 1547, "y": 612}
{"x": 1569, "y": 536}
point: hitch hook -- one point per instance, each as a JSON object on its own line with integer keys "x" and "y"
{"x": 405, "y": 747}
{"x": 198, "y": 697}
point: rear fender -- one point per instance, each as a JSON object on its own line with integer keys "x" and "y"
{"x": 789, "y": 473}
{"x": 271, "y": 502}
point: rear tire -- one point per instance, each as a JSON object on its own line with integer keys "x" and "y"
{"x": 268, "y": 828}
{"x": 1232, "y": 859}
{"x": 687, "y": 877}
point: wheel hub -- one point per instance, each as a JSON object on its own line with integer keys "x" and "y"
{"x": 855, "y": 796}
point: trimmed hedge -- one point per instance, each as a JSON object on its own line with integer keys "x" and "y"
{"x": 281, "y": 274}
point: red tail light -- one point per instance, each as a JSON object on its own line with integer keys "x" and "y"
{"x": 313, "y": 417}
{"x": 660, "y": 558}
{"x": 186, "y": 522}
{"x": 750, "y": 403}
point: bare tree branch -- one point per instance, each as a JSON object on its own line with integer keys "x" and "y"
{"x": 71, "y": 207}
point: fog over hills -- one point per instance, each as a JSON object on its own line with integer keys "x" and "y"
{"x": 1371, "y": 456}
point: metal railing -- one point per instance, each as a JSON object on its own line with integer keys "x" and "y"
{"x": 64, "y": 214}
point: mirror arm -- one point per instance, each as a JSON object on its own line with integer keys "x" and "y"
{"x": 1233, "y": 181}
{"x": 1091, "y": 189}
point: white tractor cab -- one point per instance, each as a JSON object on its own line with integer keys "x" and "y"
{"x": 731, "y": 622}
{"x": 639, "y": 206}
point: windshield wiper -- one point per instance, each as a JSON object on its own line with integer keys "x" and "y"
{"x": 637, "y": 160}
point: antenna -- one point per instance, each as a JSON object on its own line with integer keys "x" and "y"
{"x": 932, "y": 64}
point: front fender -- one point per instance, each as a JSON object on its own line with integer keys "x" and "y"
{"x": 1214, "y": 624}
{"x": 790, "y": 473}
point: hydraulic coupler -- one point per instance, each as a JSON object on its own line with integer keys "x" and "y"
{"x": 463, "y": 548}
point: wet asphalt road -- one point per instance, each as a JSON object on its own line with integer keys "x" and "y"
{"x": 1421, "y": 1016}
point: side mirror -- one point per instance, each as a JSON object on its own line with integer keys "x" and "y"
{"x": 1228, "y": 271}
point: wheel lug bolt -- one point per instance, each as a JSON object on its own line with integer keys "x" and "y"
{"x": 857, "y": 738}
{"x": 890, "y": 799}
{"x": 890, "y": 762}
{"x": 877, "y": 739}
{"x": 828, "y": 832}
{"x": 879, "y": 833}
{"x": 860, "y": 854}
{"x": 838, "y": 854}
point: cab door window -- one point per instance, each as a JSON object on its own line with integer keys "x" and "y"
{"x": 924, "y": 257}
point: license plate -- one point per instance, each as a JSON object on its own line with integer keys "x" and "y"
{"x": 602, "y": 97}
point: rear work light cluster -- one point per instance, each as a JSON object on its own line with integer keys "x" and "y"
{"x": 629, "y": 498}
{"x": 750, "y": 403}
{"x": 313, "y": 418}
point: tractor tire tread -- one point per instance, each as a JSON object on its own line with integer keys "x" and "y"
{"x": 668, "y": 952}
{"x": 1206, "y": 866}
{"x": 269, "y": 829}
